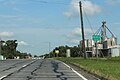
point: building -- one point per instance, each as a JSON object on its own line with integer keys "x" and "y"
{"x": 105, "y": 47}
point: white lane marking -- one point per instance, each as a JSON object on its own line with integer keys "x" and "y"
{"x": 24, "y": 65}
{"x": 75, "y": 72}
{"x": 3, "y": 77}
{"x": 28, "y": 64}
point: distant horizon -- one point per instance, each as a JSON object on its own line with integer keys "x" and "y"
{"x": 36, "y": 23}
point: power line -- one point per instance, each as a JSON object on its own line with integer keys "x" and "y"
{"x": 86, "y": 16}
{"x": 40, "y": 1}
{"x": 110, "y": 31}
{"x": 46, "y": 2}
{"x": 97, "y": 32}
{"x": 88, "y": 21}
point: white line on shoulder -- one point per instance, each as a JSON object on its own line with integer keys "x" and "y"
{"x": 75, "y": 72}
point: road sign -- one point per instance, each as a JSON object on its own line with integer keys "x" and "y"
{"x": 57, "y": 51}
{"x": 96, "y": 37}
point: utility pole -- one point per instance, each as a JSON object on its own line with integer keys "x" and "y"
{"x": 49, "y": 47}
{"x": 96, "y": 50}
{"x": 103, "y": 31}
{"x": 0, "y": 47}
{"x": 82, "y": 28}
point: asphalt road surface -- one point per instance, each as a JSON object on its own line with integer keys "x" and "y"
{"x": 42, "y": 69}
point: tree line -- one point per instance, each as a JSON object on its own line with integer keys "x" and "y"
{"x": 75, "y": 51}
{"x": 8, "y": 49}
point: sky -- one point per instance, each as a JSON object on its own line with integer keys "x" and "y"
{"x": 36, "y": 23}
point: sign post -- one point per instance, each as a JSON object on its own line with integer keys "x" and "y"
{"x": 96, "y": 38}
{"x": 57, "y": 52}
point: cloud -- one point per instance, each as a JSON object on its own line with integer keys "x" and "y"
{"x": 2, "y": 0}
{"x": 68, "y": 14}
{"x": 113, "y": 2}
{"x": 73, "y": 41}
{"x": 75, "y": 35}
{"x": 11, "y": 4}
{"x": 90, "y": 8}
{"x": 7, "y": 16}
{"x": 117, "y": 23}
{"x": 6, "y": 34}
{"x": 16, "y": 20}
{"x": 23, "y": 43}
{"x": 77, "y": 32}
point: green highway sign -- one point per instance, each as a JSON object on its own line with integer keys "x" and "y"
{"x": 96, "y": 37}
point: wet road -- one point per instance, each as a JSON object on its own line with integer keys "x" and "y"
{"x": 37, "y": 70}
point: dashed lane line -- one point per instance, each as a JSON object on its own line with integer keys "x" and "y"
{"x": 1, "y": 78}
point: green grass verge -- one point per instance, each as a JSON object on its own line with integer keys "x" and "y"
{"x": 108, "y": 68}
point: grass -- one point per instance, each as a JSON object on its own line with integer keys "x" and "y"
{"x": 108, "y": 68}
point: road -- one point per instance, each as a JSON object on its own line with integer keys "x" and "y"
{"x": 42, "y": 69}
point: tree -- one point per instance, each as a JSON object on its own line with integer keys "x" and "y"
{"x": 11, "y": 48}
{"x": 8, "y": 50}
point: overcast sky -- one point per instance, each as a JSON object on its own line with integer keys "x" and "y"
{"x": 35, "y": 23}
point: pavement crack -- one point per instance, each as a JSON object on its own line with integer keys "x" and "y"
{"x": 33, "y": 72}
{"x": 29, "y": 77}
{"x": 55, "y": 65}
